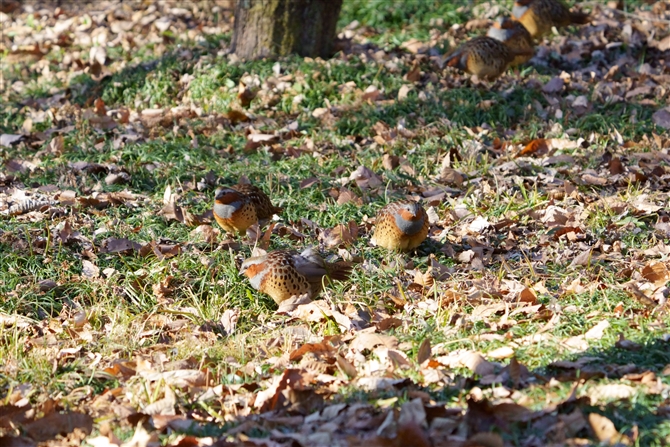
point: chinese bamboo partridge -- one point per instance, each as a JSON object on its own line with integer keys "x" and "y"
{"x": 239, "y": 207}
{"x": 513, "y": 34}
{"x": 283, "y": 274}
{"x": 485, "y": 57}
{"x": 401, "y": 226}
{"x": 539, "y": 16}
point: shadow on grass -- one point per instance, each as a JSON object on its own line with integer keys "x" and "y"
{"x": 643, "y": 415}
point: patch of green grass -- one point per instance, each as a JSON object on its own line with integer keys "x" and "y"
{"x": 395, "y": 16}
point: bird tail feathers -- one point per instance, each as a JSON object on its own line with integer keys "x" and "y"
{"x": 522, "y": 51}
{"x": 457, "y": 59}
{"x": 579, "y": 18}
{"x": 339, "y": 271}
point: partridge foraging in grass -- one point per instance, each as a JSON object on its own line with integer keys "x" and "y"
{"x": 283, "y": 274}
{"x": 485, "y": 57}
{"x": 239, "y": 207}
{"x": 513, "y": 34}
{"x": 539, "y": 16}
{"x": 401, "y": 226}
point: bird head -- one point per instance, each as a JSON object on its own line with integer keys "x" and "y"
{"x": 227, "y": 196}
{"x": 410, "y": 217}
{"x": 255, "y": 269}
{"x": 504, "y": 28}
{"x": 410, "y": 211}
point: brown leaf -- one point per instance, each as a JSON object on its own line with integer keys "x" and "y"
{"x": 319, "y": 349}
{"x": 67, "y": 197}
{"x": 536, "y": 147}
{"x": 162, "y": 290}
{"x": 414, "y": 75}
{"x": 274, "y": 398}
{"x": 90, "y": 270}
{"x": 582, "y": 259}
{"x": 308, "y": 182}
{"x": 504, "y": 352}
{"x": 554, "y": 85}
{"x": 656, "y": 272}
{"x": 528, "y": 296}
{"x": 390, "y": 162}
{"x": 424, "y": 351}
{"x": 161, "y": 251}
{"x": 56, "y": 145}
{"x": 318, "y": 311}
{"x": 122, "y": 245}
{"x": 18, "y": 166}
{"x": 662, "y": 118}
{"x": 99, "y": 107}
{"x": 164, "y": 406}
{"x": 450, "y": 176}
{"x": 482, "y": 415}
{"x": 616, "y": 167}
{"x": 514, "y": 371}
{"x": 236, "y": 116}
{"x": 33, "y": 54}
{"x": 591, "y": 179}
{"x": 369, "y": 341}
{"x": 229, "y": 320}
{"x": 122, "y": 369}
{"x": 56, "y": 424}
{"x": 412, "y": 434}
{"x": 639, "y": 295}
{"x": 346, "y": 366}
{"x": 477, "y": 364}
{"x": 118, "y": 178}
{"x": 246, "y": 94}
{"x": 180, "y": 378}
{"x": 484, "y": 440}
{"x": 604, "y": 429}
{"x": 345, "y": 196}
{"x": 341, "y": 235}
{"x": 7, "y": 140}
{"x": 206, "y": 232}
{"x": 256, "y": 140}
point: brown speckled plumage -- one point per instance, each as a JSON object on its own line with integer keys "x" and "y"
{"x": 401, "y": 226}
{"x": 484, "y": 56}
{"x": 513, "y": 34}
{"x": 283, "y": 274}
{"x": 539, "y": 16}
{"x": 239, "y": 207}
{"x": 262, "y": 203}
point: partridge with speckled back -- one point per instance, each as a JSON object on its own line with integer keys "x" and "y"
{"x": 513, "y": 34}
{"x": 539, "y": 16}
{"x": 401, "y": 226}
{"x": 239, "y": 207}
{"x": 283, "y": 274}
{"x": 484, "y": 56}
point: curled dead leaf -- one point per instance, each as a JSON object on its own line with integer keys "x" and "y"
{"x": 605, "y": 430}
{"x": 656, "y": 272}
{"x": 536, "y": 147}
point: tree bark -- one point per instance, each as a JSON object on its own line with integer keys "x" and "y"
{"x": 267, "y": 28}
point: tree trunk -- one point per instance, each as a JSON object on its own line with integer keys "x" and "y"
{"x": 266, "y": 28}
